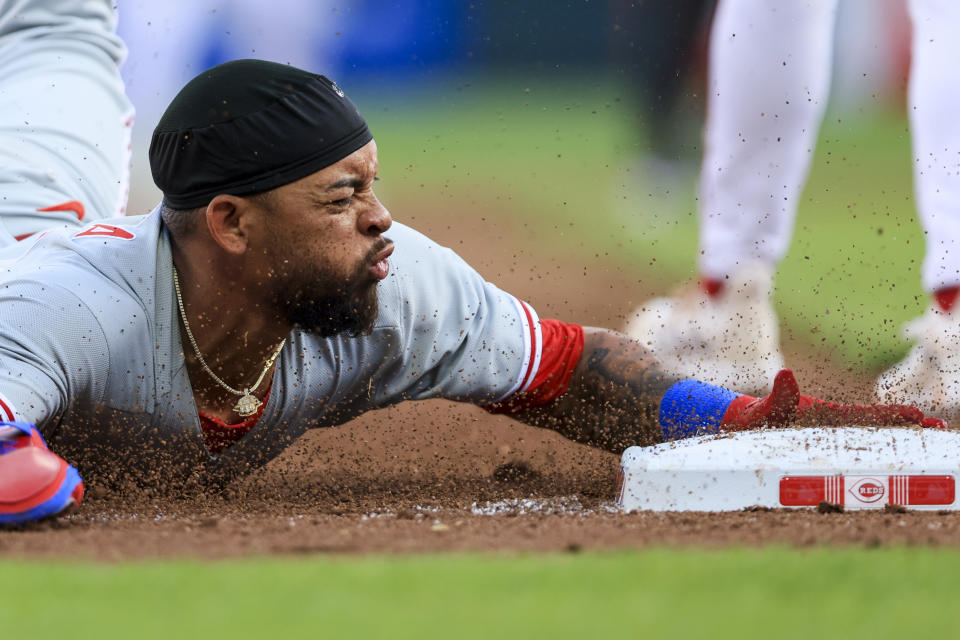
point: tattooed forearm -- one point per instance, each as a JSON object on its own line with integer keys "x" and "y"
{"x": 614, "y": 396}
{"x": 629, "y": 365}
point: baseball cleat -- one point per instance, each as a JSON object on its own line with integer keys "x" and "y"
{"x": 35, "y": 483}
{"x": 929, "y": 377}
{"x": 730, "y": 339}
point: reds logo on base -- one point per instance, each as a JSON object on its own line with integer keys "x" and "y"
{"x": 868, "y": 490}
{"x": 105, "y": 231}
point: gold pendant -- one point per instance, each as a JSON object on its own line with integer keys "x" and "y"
{"x": 247, "y": 405}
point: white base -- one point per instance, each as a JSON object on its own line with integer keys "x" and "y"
{"x": 859, "y": 468}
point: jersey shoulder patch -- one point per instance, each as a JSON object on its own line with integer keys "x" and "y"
{"x": 105, "y": 231}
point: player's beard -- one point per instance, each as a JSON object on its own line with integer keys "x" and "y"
{"x": 325, "y": 303}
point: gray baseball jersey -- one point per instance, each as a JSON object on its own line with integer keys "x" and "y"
{"x": 91, "y": 352}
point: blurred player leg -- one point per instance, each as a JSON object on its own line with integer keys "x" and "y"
{"x": 770, "y": 63}
{"x": 64, "y": 118}
{"x": 930, "y": 375}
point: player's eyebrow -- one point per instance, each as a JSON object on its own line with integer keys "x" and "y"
{"x": 351, "y": 181}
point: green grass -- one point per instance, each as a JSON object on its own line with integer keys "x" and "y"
{"x": 737, "y": 594}
{"x": 561, "y": 166}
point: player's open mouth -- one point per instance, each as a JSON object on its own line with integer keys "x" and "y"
{"x": 381, "y": 265}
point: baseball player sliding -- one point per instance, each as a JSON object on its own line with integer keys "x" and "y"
{"x": 270, "y": 293}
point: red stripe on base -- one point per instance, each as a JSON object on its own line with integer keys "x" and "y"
{"x": 928, "y": 490}
{"x": 898, "y": 489}
{"x": 905, "y": 490}
{"x": 803, "y": 491}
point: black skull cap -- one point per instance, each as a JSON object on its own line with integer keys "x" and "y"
{"x": 248, "y": 126}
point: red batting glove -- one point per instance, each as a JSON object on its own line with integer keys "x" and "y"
{"x": 785, "y": 405}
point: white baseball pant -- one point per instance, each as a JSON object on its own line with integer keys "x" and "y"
{"x": 770, "y": 68}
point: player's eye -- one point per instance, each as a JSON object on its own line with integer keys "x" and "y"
{"x": 342, "y": 202}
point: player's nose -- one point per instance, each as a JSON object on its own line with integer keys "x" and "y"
{"x": 375, "y": 219}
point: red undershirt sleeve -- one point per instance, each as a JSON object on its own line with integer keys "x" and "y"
{"x": 561, "y": 351}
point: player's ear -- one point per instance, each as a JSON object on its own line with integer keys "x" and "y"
{"x": 225, "y": 222}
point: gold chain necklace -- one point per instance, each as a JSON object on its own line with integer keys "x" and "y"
{"x": 248, "y": 404}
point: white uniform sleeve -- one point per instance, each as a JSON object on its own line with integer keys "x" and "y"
{"x": 53, "y": 353}
{"x": 461, "y": 338}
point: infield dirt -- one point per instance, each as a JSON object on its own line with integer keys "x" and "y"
{"x": 439, "y": 476}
